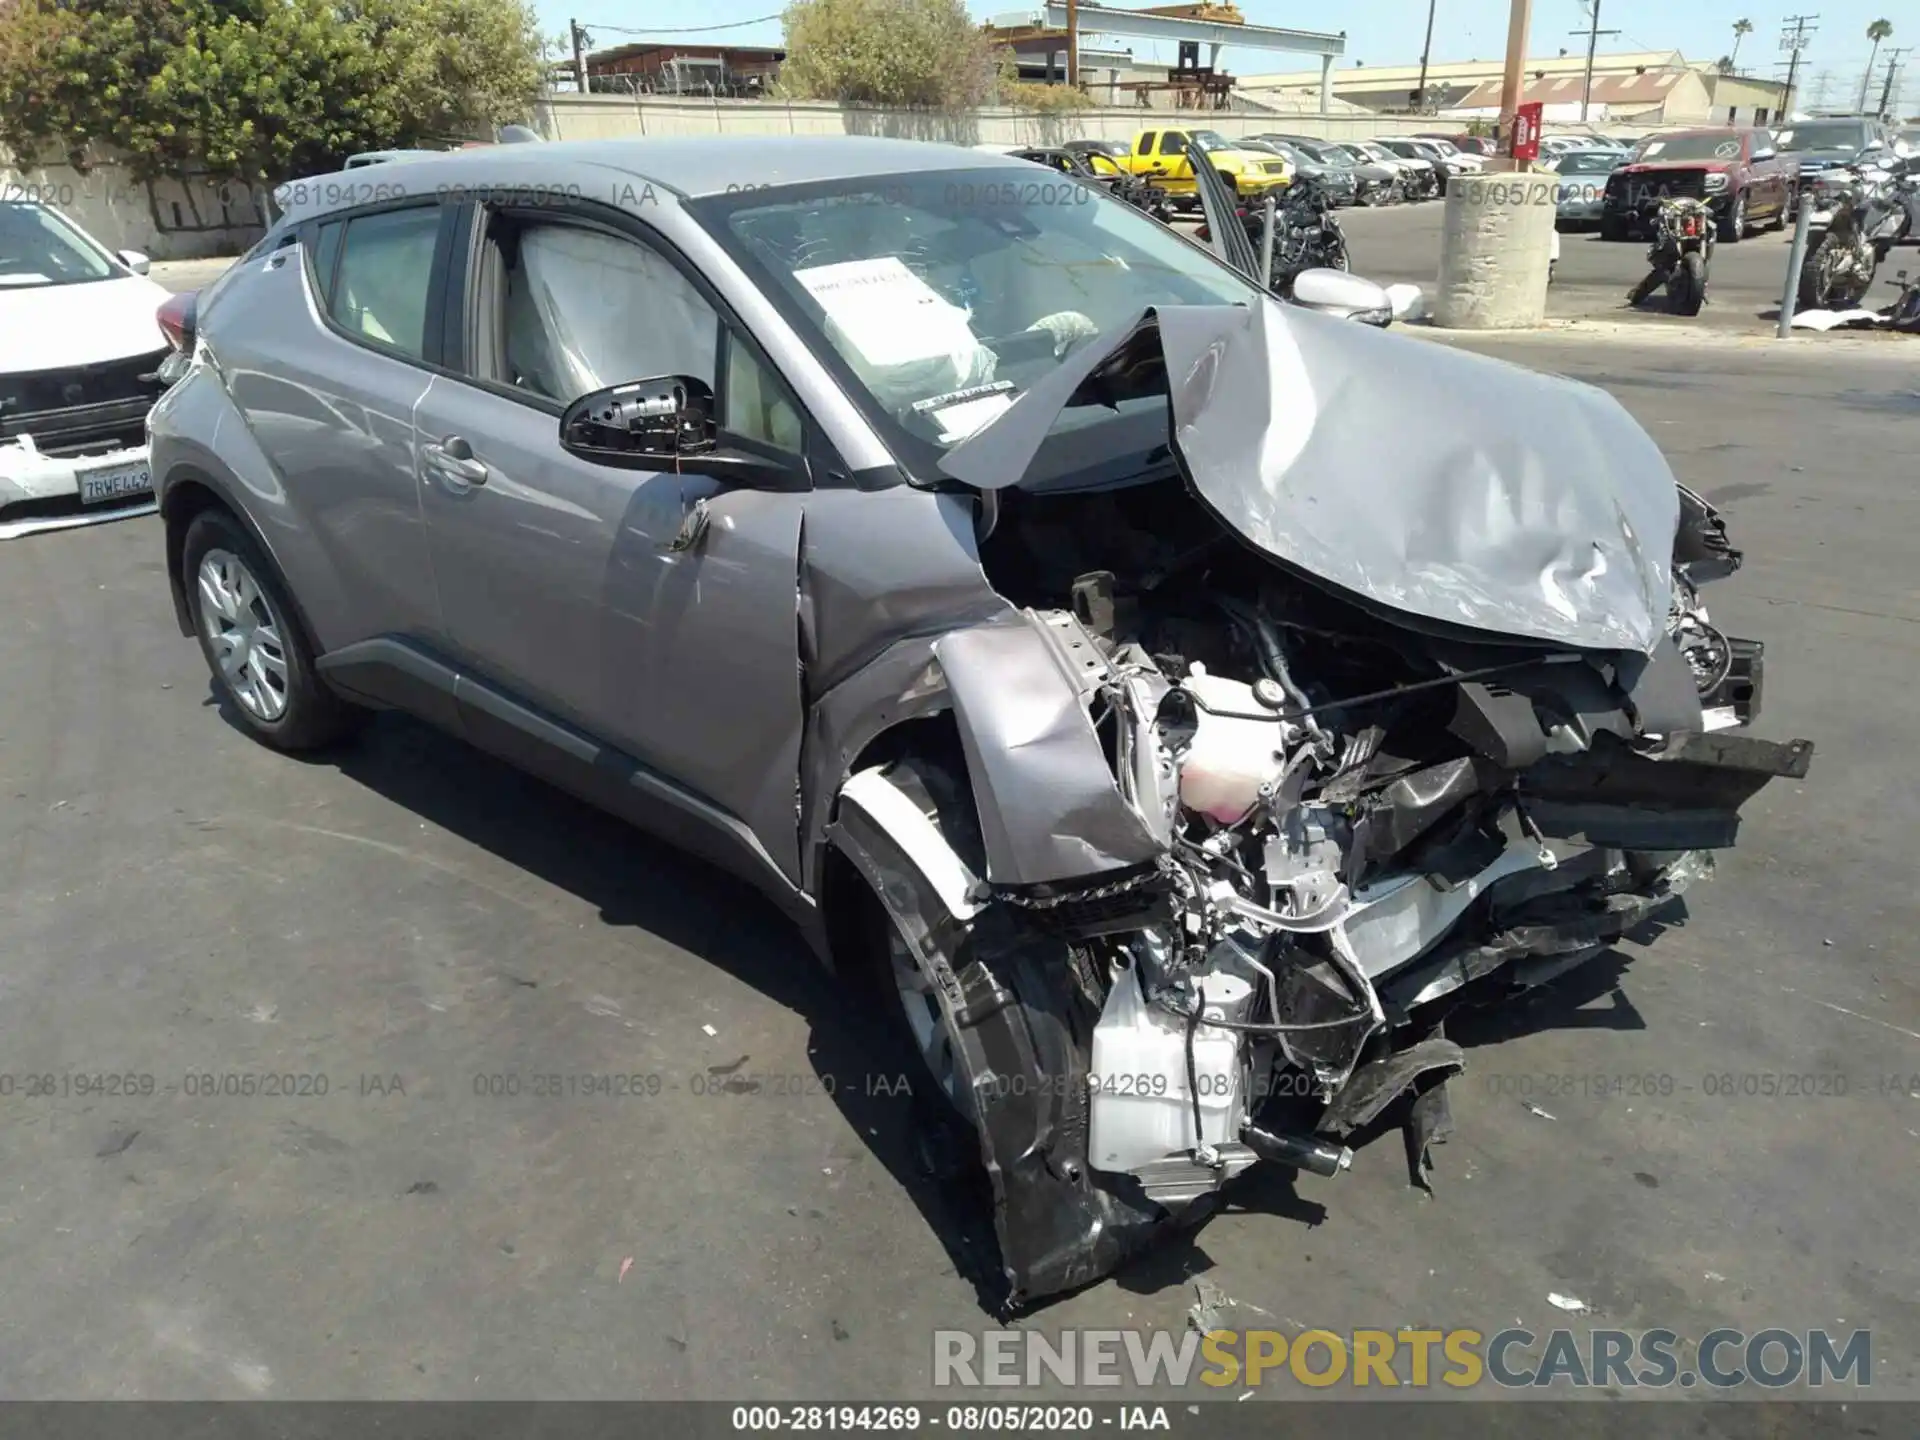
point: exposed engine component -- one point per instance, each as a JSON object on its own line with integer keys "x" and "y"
{"x": 1357, "y": 822}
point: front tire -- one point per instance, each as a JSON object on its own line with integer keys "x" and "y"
{"x": 997, "y": 1017}
{"x": 261, "y": 661}
{"x": 1687, "y": 290}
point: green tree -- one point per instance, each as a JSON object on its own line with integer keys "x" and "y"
{"x": 1042, "y": 98}
{"x": 1876, "y": 32}
{"x": 1741, "y": 29}
{"x": 925, "y": 53}
{"x": 257, "y": 90}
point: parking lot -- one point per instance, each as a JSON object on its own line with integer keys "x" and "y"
{"x": 1722, "y": 1130}
{"x": 1402, "y": 244}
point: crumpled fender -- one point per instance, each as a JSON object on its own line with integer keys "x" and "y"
{"x": 1050, "y": 807}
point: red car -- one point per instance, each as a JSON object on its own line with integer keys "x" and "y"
{"x": 1738, "y": 172}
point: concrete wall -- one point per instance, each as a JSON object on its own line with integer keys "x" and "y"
{"x": 167, "y": 220}
{"x": 583, "y": 117}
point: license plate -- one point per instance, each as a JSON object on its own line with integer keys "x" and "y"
{"x": 114, "y": 482}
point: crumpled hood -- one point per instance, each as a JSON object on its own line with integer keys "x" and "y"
{"x": 1413, "y": 476}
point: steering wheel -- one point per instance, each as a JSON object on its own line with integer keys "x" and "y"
{"x": 1022, "y": 346}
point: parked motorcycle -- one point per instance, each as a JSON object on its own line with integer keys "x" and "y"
{"x": 1682, "y": 249}
{"x": 1904, "y": 314}
{"x": 1870, "y": 217}
{"x": 1306, "y": 235}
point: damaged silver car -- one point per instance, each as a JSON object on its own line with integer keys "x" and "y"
{"x": 1028, "y": 603}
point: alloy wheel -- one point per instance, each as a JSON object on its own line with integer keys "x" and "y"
{"x": 920, "y": 1004}
{"x": 245, "y": 635}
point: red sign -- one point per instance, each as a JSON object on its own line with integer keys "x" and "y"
{"x": 1526, "y": 132}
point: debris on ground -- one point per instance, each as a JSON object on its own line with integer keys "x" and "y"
{"x": 711, "y": 1032}
{"x": 1536, "y": 1110}
{"x": 1567, "y": 1302}
{"x": 1208, "y": 1301}
{"x": 625, "y": 1265}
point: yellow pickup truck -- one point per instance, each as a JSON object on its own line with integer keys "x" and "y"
{"x": 1161, "y": 156}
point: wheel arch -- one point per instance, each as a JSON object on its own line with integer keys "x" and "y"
{"x": 188, "y": 493}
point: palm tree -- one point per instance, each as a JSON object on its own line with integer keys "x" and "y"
{"x": 1876, "y": 32}
{"x": 1741, "y": 29}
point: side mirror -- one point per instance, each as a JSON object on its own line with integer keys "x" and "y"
{"x": 1347, "y": 296}
{"x": 135, "y": 261}
{"x": 665, "y": 423}
{"x": 1874, "y": 145}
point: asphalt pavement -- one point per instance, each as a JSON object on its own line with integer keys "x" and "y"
{"x": 395, "y": 1073}
{"x": 1401, "y": 243}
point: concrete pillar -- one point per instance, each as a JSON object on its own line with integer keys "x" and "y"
{"x": 1326, "y": 83}
{"x": 1495, "y": 244}
{"x": 1213, "y": 57}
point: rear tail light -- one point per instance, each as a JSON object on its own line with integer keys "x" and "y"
{"x": 176, "y": 320}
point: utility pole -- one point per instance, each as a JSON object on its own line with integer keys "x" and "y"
{"x": 579, "y": 38}
{"x": 1593, "y": 32}
{"x": 1518, "y": 24}
{"x": 1894, "y": 58}
{"x": 1420, "y": 95}
{"x": 1073, "y": 44}
{"x": 1795, "y": 31}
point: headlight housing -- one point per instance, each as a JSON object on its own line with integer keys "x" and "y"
{"x": 1717, "y": 182}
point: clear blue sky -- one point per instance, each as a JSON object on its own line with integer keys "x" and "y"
{"x": 1385, "y": 32}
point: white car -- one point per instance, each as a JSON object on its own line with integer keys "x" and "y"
{"x": 80, "y": 353}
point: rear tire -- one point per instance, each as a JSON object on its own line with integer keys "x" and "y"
{"x": 1733, "y": 225}
{"x": 261, "y": 660}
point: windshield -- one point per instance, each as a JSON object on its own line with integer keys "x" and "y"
{"x": 1844, "y": 135}
{"x": 38, "y": 247}
{"x": 1210, "y": 141}
{"x": 1588, "y": 162}
{"x": 1691, "y": 147}
{"x": 939, "y": 298}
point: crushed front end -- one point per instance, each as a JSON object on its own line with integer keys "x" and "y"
{"x": 1358, "y": 819}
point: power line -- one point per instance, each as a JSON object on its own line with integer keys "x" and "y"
{"x": 1795, "y": 31}
{"x": 1593, "y": 32}
{"x": 678, "y": 30}
{"x": 1894, "y": 59}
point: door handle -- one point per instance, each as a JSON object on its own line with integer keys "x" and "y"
{"x": 453, "y": 457}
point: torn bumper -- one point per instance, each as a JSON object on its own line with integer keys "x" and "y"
{"x": 41, "y": 492}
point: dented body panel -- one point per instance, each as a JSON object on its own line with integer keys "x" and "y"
{"x": 1223, "y": 740}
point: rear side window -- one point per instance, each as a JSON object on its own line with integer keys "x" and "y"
{"x": 383, "y": 277}
{"x": 1146, "y": 143}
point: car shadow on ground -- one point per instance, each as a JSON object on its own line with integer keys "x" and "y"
{"x": 858, "y": 1056}
{"x": 638, "y": 882}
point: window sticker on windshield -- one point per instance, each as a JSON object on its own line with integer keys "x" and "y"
{"x": 886, "y": 312}
{"x": 1785, "y": 137}
{"x": 1727, "y": 149}
{"x": 954, "y": 397}
{"x": 1654, "y": 147}
{"x": 960, "y": 420}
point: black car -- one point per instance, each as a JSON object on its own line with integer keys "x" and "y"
{"x": 1335, "y": 176}
{"x": 1822, "y": 145}
{"x": 1098, "y": 167}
